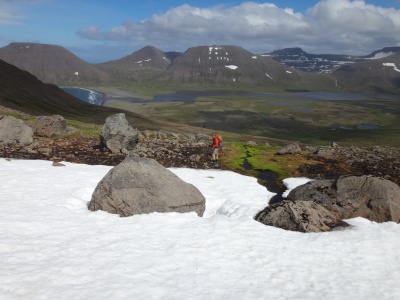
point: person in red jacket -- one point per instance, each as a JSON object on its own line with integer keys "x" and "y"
{"x": 215, "y": 147}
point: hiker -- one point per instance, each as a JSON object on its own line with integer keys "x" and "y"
{"x": 215, "y": 147}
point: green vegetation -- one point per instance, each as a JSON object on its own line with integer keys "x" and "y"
{"x": 317, "y": 122}
{"x": 87, "y": 129}
{"x": 260, "y": 158}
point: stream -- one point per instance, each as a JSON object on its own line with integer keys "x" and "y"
{"x": 268, "y": 179}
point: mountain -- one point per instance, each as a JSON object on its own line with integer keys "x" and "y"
{"x": 380, "y": 75}
{"x": 52, "y": 64}
{"x": 22, "y": 91}
{"x": 387, "y": 51}
{"x": 146, "y": 62}
{"x": 230, "y": 65}
{"x": 299, "y": 59}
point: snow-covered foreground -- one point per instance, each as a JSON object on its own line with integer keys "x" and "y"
{"x": 52, "y": 247}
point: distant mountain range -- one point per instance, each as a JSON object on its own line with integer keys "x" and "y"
{"x": 299, "y": 59}
{"x": 214, "y": 66}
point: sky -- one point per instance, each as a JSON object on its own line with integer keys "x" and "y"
{"x": 100, "y": 30}
{"x": 53, "y": 247}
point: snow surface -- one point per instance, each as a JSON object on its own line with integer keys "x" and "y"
{"x": 232, "y": 67}
{"x": 53, "y": 247}
{"x": 393, "y": 65}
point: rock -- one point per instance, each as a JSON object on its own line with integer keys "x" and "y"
{"x": 325, "y": 152}
{"x": 140, "y": 186}
{"x": 57, "y": 164}
{"x": 45, "y": 151}
{"x": 118, "y": 134}
{"x": 370, "y": 197}
{"x": 302, "y": 216}
{"x": 251, "y": 143}
{"x": 290, "y": 149}
{"x": 202, "y": 136}
{"x": 14, "y": 132}
{"x": 49, "y": 125}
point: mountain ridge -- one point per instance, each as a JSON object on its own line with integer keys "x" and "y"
{"x": 226, "y": 66}
{"x": 298, "y": 58}
{"x": 52, "y": 64}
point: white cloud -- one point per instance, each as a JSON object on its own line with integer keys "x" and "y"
{"x": 9, "y": 15}
{"x": 334, "y": 25}
{"x": 11, "y": 12}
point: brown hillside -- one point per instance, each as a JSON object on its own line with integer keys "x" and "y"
{"x": 380, "y": 75}
{"x": 52, "y": 64}
{"x": 22, "y": 91}
{"x": 147, "y": 61}
{"x": 236, "y": 66}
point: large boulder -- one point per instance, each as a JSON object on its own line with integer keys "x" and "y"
{"x": 290, "y": 149}
{"x": 49, "y": 125}
{"x": 118, "y": 134}
{"x": 140, "y": 186}
{"x": 370, "y": 197}
{"x": 302, "y": 216}
{"x": 14, "y": 132}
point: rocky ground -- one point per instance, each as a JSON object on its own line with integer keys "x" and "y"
{"x": 168, "y": 152}
{"x": 172, "y": 150}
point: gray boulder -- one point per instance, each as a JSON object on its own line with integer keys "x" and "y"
{"x": 14, "y": 132}
{"x": 290, "y": 149}
{"x": 141, "y": 186}
{"x": 118, "y": 134}
{"x": 370, "y": 197}
{"x": 302, "y": 216}
{"x": 49, "y": 125}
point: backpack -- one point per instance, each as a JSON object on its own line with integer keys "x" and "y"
{"x": 219, "y": 141}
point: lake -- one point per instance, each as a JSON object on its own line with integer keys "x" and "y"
{"x": 84, "y": 94}
{"x": 97, "y": 98}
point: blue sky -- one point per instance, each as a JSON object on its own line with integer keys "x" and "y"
{"x": 99, "y": 31}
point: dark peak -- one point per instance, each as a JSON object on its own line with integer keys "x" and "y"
{"x": 146, "y": 52}
{"x": 51, "y": 63}
{"x": 384, "y": 52}
{"x": 171, "y": 55}
{"x": 289, "y": 51}
{"x": 149, "y": 48}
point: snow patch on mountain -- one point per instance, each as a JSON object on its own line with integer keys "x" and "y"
{"x": 232, "y": 67}
{"x": 393, "y": 65}
{"x": 381, "y": 55}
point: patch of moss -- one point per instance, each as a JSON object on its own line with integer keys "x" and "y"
{"x": 88, "y": 129}
{"x": 261, "y": 158}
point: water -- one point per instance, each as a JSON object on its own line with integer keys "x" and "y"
{"x": 86, "y": 95}
{"x": 191, "y": 96}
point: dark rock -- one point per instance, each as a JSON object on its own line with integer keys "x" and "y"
{"x": 302, "y": 216}
{"x": 49, "y": 125}
{"x": 370, "y": 197}
{"x": 118, "y": 134}
{"x": 140, "y": 186}
{"x": 14, "y": 132}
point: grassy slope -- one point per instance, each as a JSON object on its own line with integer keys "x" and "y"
{"x": 307, "y": 121}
